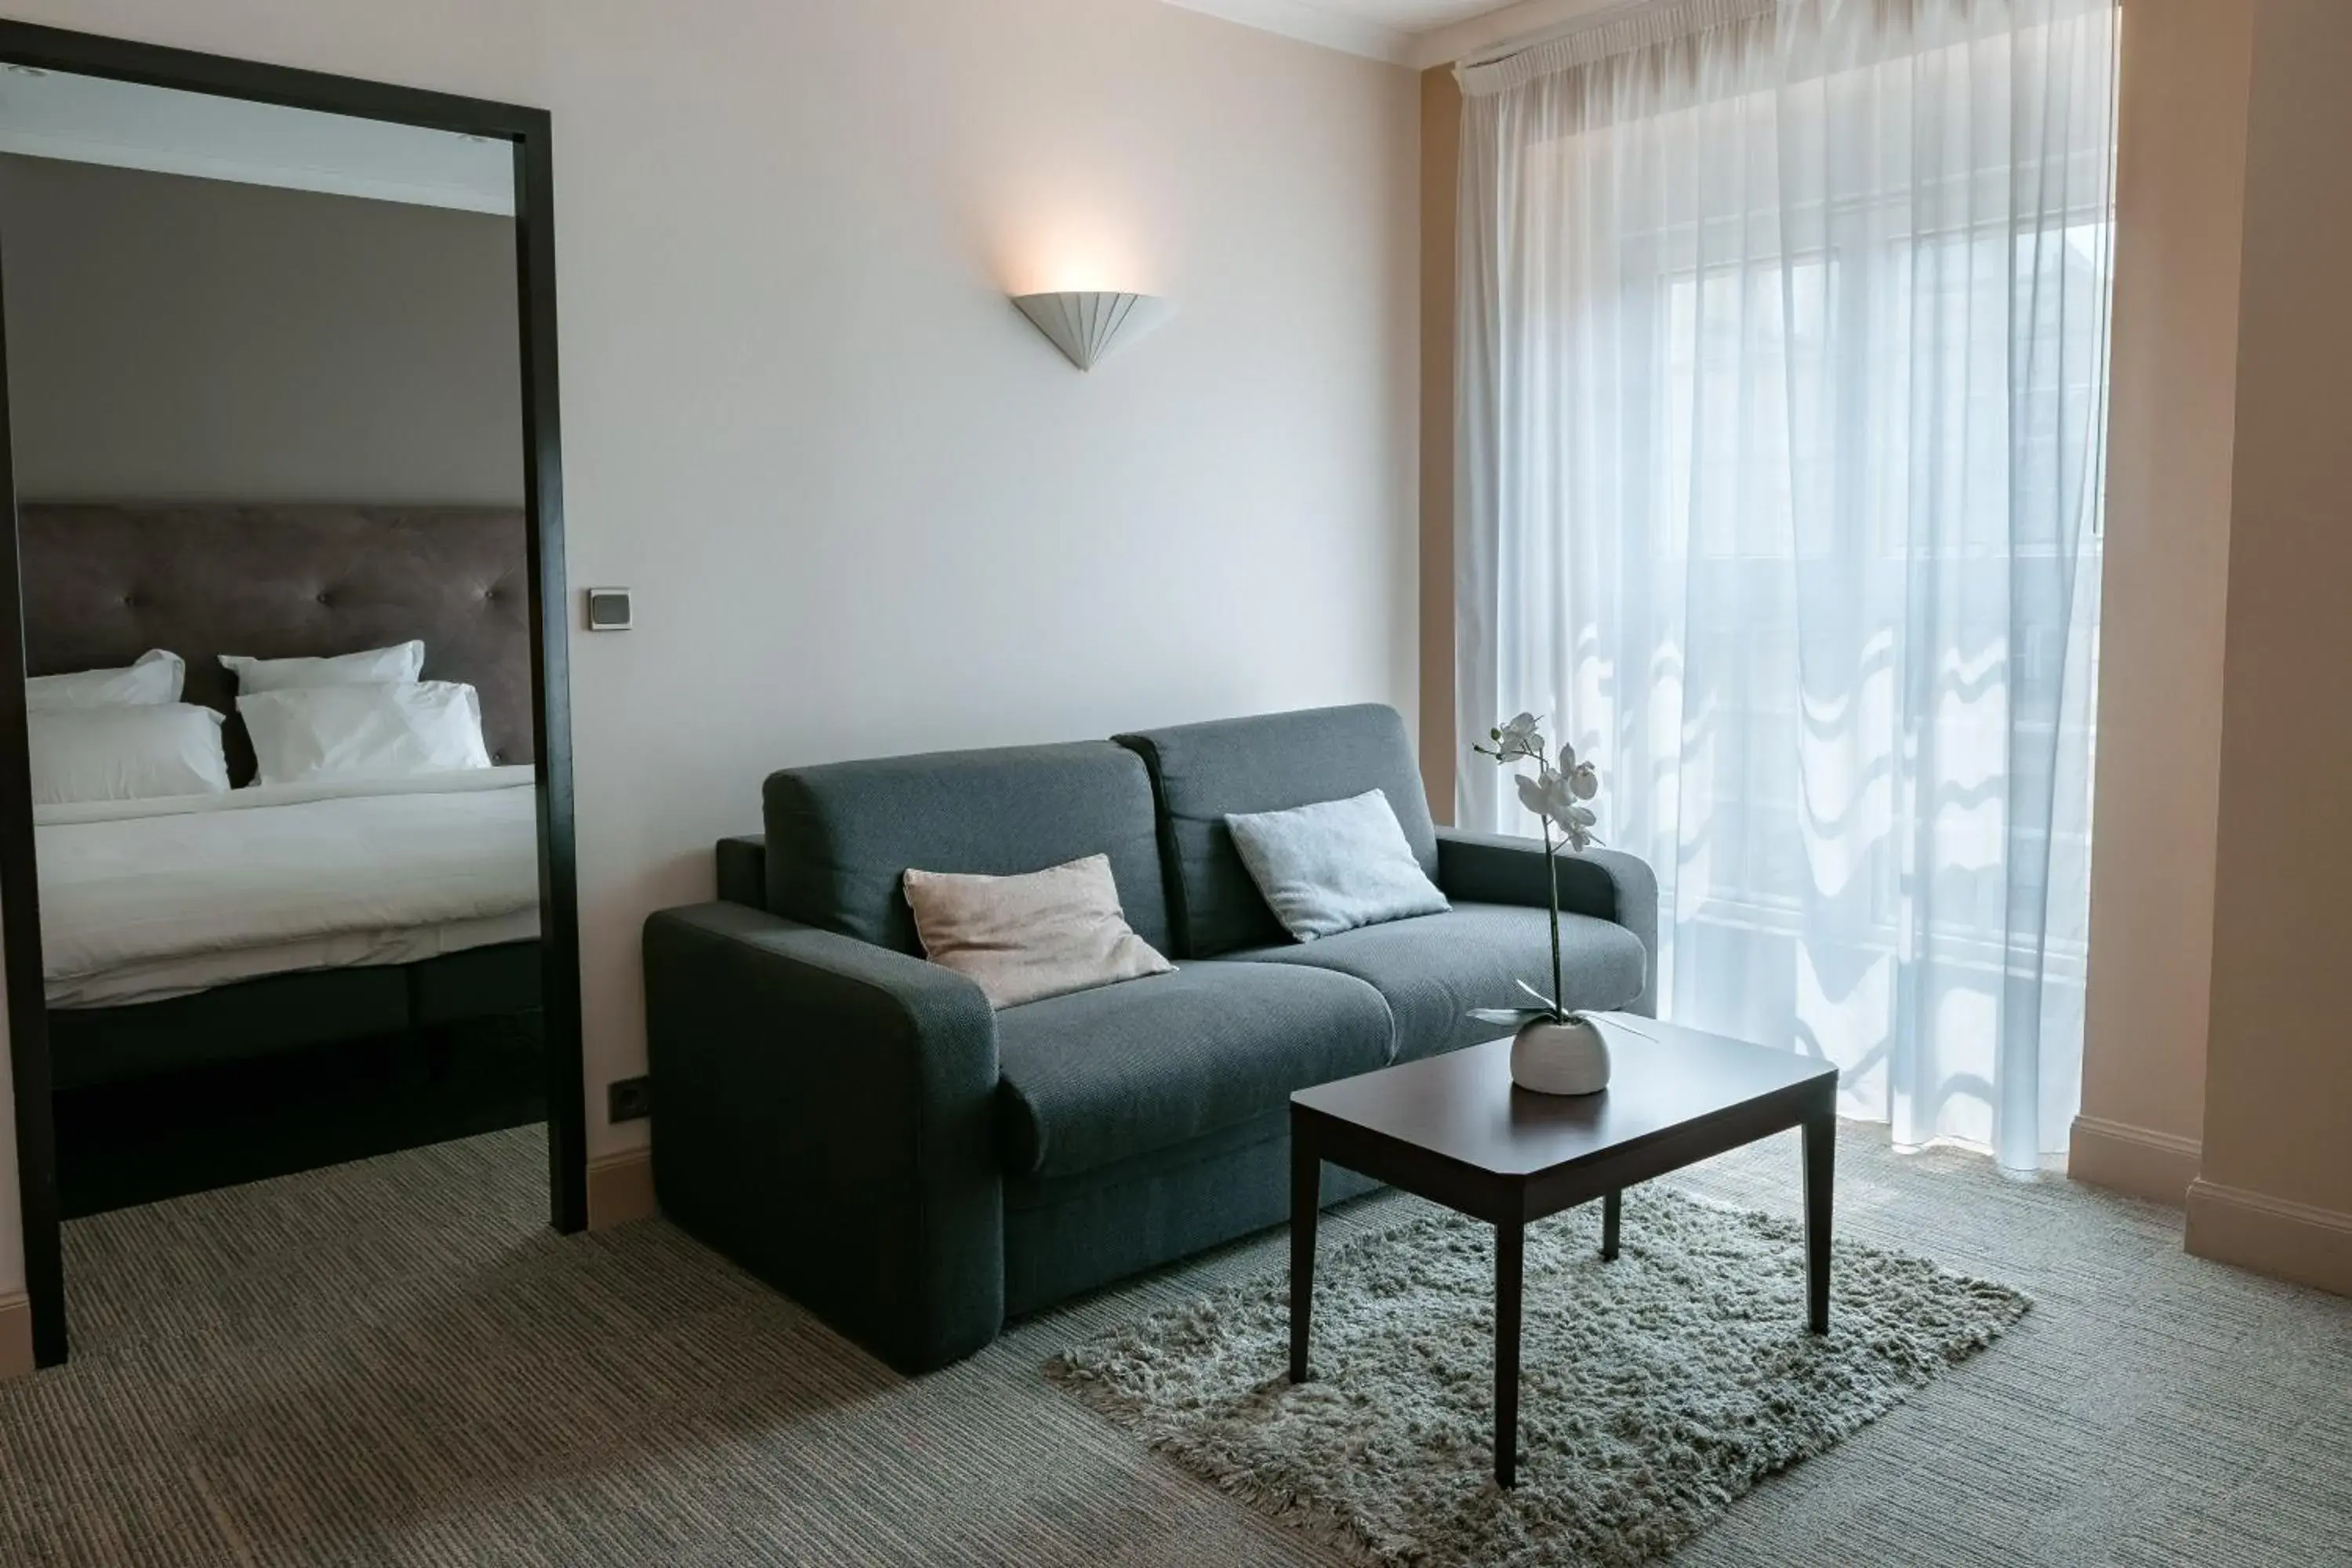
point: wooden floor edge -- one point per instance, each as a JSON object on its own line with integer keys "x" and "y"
{"x": 620, "y": 1188}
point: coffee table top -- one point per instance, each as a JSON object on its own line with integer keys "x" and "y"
{"x": 1463, "y": 1106}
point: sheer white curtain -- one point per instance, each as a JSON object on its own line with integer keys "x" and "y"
{"x": 1782, "y": 368}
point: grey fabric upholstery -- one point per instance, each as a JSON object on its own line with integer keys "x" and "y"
{"x": 1202, "y": 772}
{"x": 1069, "y": 1234}
{"x": 1100, "y": 1076}
{"x": 856, "y": 1127}
{"x": 1607, "y": 884}
{"x": 744, "y": 869}
{"x": 1433, "y": 969}
{"x": 827, "y": 1119}
{"x": 104, "y": 583}
{"x": 841, "y": 835}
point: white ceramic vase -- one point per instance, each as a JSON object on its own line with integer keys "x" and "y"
{"x": 1560, "y": 1058}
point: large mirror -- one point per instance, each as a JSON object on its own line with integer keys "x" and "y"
{"x": 281, "y": 550}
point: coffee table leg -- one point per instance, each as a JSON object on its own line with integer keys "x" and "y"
{"x": 1820, "y": 1160}
{"x": 1305, "y": 1187}
{"x": 1611, "y": 1209}
{"x": 1510, "y": 1256}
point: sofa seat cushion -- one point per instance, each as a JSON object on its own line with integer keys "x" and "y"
{"x": 1101, "y": 1076}
{"x": 1433, "y": 969}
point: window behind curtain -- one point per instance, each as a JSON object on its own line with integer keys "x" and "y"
{"x": 1782, "y": 423}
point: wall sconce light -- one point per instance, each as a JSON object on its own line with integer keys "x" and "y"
{"x": 1088, "y": 326}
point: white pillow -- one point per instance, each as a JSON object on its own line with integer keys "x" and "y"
{"x": 1334, "y": 866}
{"x": 154, "y": 677}
{"x": 126, "y": 753}
{"x": 364, "y": 732}
{"x": 1030, "y": 936}
{"x": 395, "y": 665}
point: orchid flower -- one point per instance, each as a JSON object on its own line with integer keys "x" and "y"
{"x": 1516, "y": 738}
{"x": 1556, "y": 792}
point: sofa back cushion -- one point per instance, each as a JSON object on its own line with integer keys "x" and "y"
{"x": 1271, "y": 763}
{"x": 842, "y": 836}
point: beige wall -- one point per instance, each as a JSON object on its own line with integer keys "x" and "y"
{"x": 2215, "y": 1060}
{"x": 2276, "y": 1187}
{"x": 866, "y": 506}
{"x": 175, "y": 339}
{"x": 2179, "y": 188}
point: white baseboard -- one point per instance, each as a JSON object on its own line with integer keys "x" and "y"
{"x": 620, "y": 1188}
{"x": 16, "y": 1335}
{"x": 2135, "y": 1160}
{"x": 2302, "y": 1242}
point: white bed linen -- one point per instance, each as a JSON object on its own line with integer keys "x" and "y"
{"x": 144, "y": 899}
{"x": 311, "y": 734}
{"x": 128, "y": 750}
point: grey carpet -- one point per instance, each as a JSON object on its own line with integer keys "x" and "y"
{"x": 1655, "y": 1388}
{"x": 391, "y": 1363}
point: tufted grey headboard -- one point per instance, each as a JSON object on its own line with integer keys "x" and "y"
{"x": 104, "y": 583}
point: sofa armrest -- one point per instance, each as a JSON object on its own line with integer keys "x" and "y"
{"x": 825, "y": 1117}
{"x": 742, "y": 865}
{"x": 1607, "y": 884}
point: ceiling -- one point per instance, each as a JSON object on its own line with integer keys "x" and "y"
{"x": 1409, "y": 16}
{"x": 85, "y": 120}
{"x": 1417, "y": 33}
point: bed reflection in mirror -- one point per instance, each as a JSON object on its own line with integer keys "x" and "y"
{"x": 278, "y": 629}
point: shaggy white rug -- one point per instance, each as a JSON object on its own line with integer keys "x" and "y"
{"x": 1654, "y": 1390}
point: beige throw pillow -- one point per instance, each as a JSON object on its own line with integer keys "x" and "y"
{"x": 1031, "y": 936}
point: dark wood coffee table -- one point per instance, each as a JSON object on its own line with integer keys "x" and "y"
{"x": 1456, "y": 1130}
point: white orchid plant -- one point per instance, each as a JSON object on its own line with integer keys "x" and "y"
{"x": 1557, "y": 792}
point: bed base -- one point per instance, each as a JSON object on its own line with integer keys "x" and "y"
{"x": 90, "y": 1046}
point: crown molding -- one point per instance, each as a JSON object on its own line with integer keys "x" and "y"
{"x": 1313, "y": 24}
{"x": 1521, "y": 23}
{"x": 126, "y": 125}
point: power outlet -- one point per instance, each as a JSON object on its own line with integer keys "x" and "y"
{"x": 629, "y": 1100}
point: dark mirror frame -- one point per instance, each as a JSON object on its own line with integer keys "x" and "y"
{"x": 528, "y": 131}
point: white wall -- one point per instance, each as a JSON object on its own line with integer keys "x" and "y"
{"x": 866, "y": 509}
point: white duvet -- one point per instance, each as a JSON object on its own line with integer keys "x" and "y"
{"x": 142, "y": 899}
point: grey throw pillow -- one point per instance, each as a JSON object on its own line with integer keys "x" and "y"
{"x": 1335, "y": 865}
{"x": 1031, "y": 936}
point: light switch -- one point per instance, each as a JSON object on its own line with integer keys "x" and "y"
{"x": 608, "y": 609}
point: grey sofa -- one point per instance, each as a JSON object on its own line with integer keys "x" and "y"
{"x": 857, "y": 1127}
